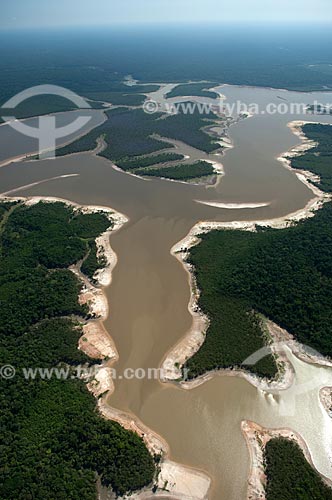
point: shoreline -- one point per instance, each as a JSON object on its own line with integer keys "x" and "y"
{"x": 101, "y": 145}
{"x": 183, "y": 482}
{"x": 30, "y": 156}
{"x": 95, "y": 341}
{"x": 256, "y": 438}
{"x": 174, "y": 360}
{"x": 235, "y": 85}
{"x": 177, "y": 481}
{"x": 180, "y": 479}
{"x": 192, "y": 341}
{"x": 274, "y": 88}
{"x": 105, "y": 279}
{"x": 305, "y": 176}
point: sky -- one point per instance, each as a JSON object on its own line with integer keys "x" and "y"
{"x": 51, "y": 13}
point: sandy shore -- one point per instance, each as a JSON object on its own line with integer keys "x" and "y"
{"x": 177, "y": 481}
{"x": 193, "y": 340}
{"x": 33, "y": 184}
{"x": 180, "y": 482}
{"x": 232, "y": 206}
{"x": 217, "y": 167}
{"x": 175, "y": 359}
{"x": 304, "y": 353}
{"x": 95, "y": 341}
{"x": 256, "y": 439}
{"x": 305, "y": 176}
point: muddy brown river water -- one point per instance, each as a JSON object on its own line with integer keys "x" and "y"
{"x": 149, "y": 293}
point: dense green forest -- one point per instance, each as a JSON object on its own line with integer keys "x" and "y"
{"x": 54, "y": 442}
{"x": 189, "y": 128}
{"x": 319, "y": 158}
{"x": 147, "y": 161}
{"x": 95, "y": 64}
{"x": 130, "y": 135}
{"x": 119, "y": 98}
{"x": 289, "y": 475}
{"x": 88, "y": 60}
{"x": 42, "y": 105}
{"x": 120, "y": 94}
{"x": 126, "y": 132}
{"x": 179, "y": 172}
{"x": 193, "y": 89}
{"x": 283, "y": 274}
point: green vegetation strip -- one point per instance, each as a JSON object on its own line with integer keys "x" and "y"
{"x": 289, "y": 475}
{"x": 180, "y": 172}
{"x": 147, "y": 161}
{"x": 81, "y": 81}
{"x": 118, "y": 98}
{"x": 193, "y": 89}
{"x": 132, "y": 134}
{"x": 54, "y": 443}
{"x": 318, "y": 159}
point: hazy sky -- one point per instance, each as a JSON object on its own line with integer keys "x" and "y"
{"x": 31, "y": 13}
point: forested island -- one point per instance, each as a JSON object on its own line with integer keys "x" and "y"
{"x": 193, "y": 89}
{"x": 183, "y": 172}
{"x": 147, "y": 133}
{"x": 55, "y": 444}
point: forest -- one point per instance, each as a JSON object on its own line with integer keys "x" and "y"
{"x": 55, "y": 444}
{"x": 179, "y": 172}
{"x": 90, "y": 61}
{"x": 319, "y": 158}
{"x": 281, "y": 274}
{"x": 289, "y": 475}
{"x": 132, "y": 134}
{"x": 193, "y": 89}
{"x": 147, "y": 161}
{"x": 120, "y": 95}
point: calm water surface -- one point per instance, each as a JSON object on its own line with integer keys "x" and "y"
{"x": 149, "y": 294}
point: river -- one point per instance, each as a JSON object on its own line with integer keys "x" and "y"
{"x": 149, "y": 293}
